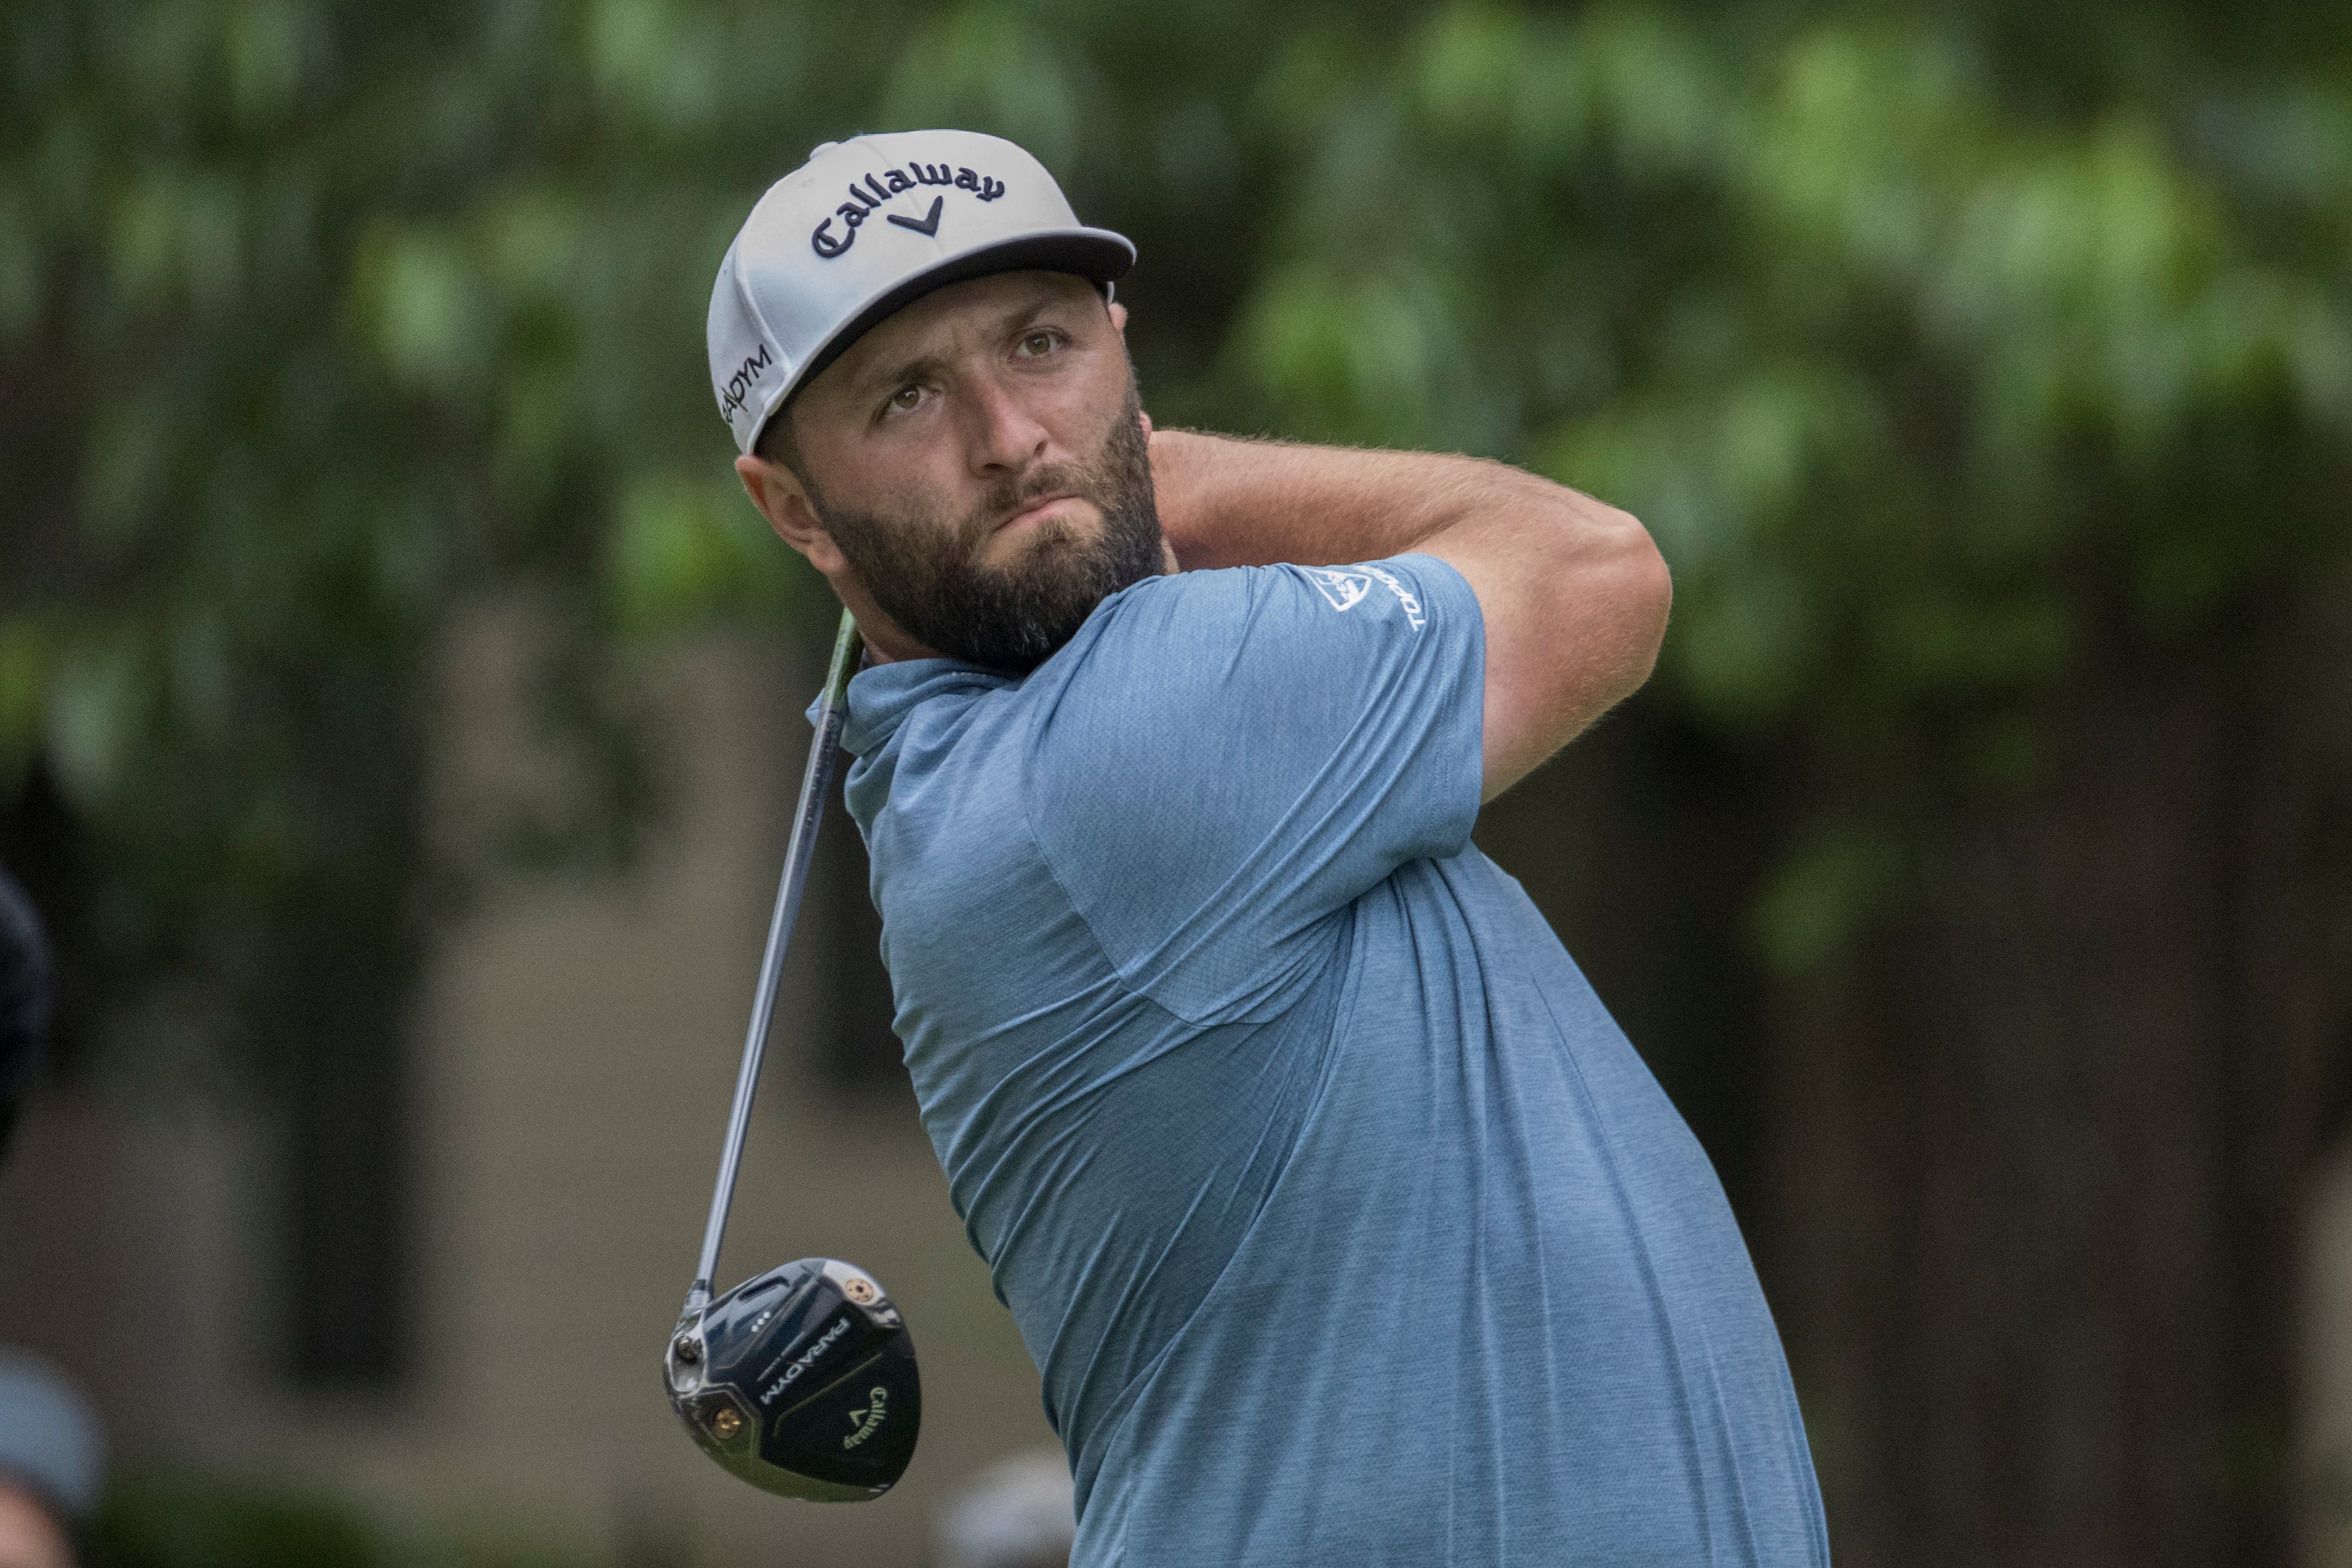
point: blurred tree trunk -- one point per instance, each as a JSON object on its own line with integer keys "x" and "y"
{"x": 337, "y": 1030}
{"x": 2035, "y": 1163}
{"x": 350, "y": 1174}
{"x": 2019, "y": 1174}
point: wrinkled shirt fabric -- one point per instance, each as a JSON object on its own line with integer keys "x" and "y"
{"x": 1344, "y": 1225}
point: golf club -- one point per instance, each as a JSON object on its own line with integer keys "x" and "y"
{"x": 801, "y": 1380}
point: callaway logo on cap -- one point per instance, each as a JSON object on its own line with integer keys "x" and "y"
{"x": 864, "y": 228}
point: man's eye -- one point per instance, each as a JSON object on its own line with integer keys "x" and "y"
{"x": 1037, "y": 344}
{"x": 907, "y": 399}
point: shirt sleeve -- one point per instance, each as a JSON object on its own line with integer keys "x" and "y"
{"x": 1231, "y": 759}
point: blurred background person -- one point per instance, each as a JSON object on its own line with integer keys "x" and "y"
{"x": 51, "y": 1462}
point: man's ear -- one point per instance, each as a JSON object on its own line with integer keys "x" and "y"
{"x": 783, "y": 501}
{"x": 1119, "y": 318}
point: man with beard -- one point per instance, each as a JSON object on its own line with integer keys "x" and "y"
{"x": 1343, "y": 1224}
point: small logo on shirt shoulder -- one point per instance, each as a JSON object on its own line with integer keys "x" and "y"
{"x": 1344, "y": 589}
{"x": 1413, "y": 610}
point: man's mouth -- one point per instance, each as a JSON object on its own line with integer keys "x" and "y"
{"x": 1033, "y": 511}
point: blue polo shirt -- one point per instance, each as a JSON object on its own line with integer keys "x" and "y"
{"x": 1342, "y": 1222}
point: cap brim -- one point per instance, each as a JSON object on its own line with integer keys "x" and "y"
{"x": 1096, "y": 254}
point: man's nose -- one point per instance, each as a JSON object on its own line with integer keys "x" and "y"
{"x": 1004, "y": 435}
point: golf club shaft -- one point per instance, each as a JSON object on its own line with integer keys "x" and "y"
{"x": 831, "y": 708}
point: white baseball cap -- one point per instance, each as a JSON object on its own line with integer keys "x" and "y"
{"x": 863, "y": 228}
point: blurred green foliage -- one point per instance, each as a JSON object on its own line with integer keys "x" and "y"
{"x": 151, "y": 1519}
{"x": 1952, "y": 353}
{"x": 186, "y": 1522}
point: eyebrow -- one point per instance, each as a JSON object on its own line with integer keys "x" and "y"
{"x": 900, "y": 373}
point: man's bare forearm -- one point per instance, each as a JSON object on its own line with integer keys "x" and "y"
{"x": 1572, "y": 592}
{"x": 1229, "y": 502}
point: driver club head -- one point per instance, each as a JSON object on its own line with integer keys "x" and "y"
{"x": 801, "y": 1381}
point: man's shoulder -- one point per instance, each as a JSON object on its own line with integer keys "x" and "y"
{"x": 889, "y": 704}
{"x": 932, "y": 743}
{"x": 1169, "y": 686}
{"x": 1246, "y": 643}
{"x": 1337, "y": 604}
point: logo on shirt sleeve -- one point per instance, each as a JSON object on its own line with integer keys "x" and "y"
{"x": 1413, "y": 610}
{"x": 1344, "y": 589}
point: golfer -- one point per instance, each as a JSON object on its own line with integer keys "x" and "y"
{"x": 1343, "y": 1224}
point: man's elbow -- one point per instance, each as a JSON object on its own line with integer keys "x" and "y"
{"x": 1639, "y": 595}
{"x": 1653, "y": 596}
{"x": 1573, "y": 629}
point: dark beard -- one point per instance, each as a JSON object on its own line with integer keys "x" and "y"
{"x": 926, "y": 576}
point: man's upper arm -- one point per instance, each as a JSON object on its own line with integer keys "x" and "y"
{"x": 1574, "y": 597}
{"x": 1232, "y": 756}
